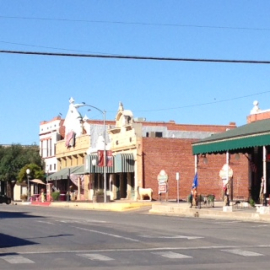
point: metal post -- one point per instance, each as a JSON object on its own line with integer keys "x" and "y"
{"x": 105, "y": 159}
{"x": 28, "y": 191}
{"x": 177, "y": 179}
{"x": 104, "y": 153}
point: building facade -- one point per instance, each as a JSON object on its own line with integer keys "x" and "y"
{"x": 140, "y": 151}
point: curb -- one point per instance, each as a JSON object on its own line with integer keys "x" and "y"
{"x": 216, "y": 213}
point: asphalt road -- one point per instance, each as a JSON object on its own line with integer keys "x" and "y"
{"x": 53, "y": 238}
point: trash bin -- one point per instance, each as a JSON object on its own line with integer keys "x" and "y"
{"x": 62, "y": 197}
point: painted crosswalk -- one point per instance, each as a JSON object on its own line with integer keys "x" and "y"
{"x": 241, "y": 252}
{"x": 107, "y": 257}
{"x": 171, "y": 255}
{"x": 97, "y": 257}
{"x": 16, "y": 259}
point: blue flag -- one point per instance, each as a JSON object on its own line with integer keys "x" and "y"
{"x": 195, "y": 181}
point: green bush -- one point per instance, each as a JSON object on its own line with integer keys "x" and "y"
{"x": 56, "y": 195}
{"x": 99, "y": 192}
{"x": 251, "y": 202}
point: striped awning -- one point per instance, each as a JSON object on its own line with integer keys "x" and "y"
{"x": 124, "y": 162}
{"x": 64, "y": 173}
{"x": 79, "y": 170}
{"x": 89, "y": 167}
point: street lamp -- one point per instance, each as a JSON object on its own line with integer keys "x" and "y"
{"x": 28, "y": 176}
{"x": 104, "y": 151}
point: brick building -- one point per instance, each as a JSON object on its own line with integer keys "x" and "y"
{"x": 249, "y": 144}
{"x": 140, "y": 150}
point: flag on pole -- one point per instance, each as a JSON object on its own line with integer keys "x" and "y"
{"x": 195, "y": 181}
{"x": 100, "y": 158}
{"x": 109, "y": 158}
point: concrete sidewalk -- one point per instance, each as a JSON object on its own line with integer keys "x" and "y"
{"x": 181, "y": 209}
{"x": 88, "y": 205}
{"x": 237, "y": 212}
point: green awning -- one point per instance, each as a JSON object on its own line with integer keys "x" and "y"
{"x": 63, "y": 173}
{"x": 79, "y": 170}
{"x": 240, "y": 139}
{"x": 124, "y": 162}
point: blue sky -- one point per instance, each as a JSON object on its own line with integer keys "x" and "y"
{"x": 37, "y": 88}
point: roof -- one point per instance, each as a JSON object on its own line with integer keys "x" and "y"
{"x": 240, "y": 139}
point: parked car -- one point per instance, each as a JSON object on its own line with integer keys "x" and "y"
{"x": 5, "y": 199}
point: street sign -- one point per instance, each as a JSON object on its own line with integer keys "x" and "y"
{"x": 162, "y": 188}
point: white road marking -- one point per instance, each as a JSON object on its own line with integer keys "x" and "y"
{"x": 172, "y": 255}
{"x": 240, "y": 252}
{"x": 46, "y": 222}
{"x": 173, "y": 237}
{"x": 97, "y": 257}
{"x": 228, "y": 222}
{"x": 140, "y": 249}
{"x": 15, "y": 259}
{"x": 82, "y": 221}
{"x": 108, "y": 234}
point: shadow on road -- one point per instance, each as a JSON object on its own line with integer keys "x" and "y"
{"x": 11, "y": 241}
{"x": 4, "y": 214}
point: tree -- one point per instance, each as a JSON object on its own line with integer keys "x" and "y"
{"x": 35, "y": 172}
{"x": 13, "y": 158}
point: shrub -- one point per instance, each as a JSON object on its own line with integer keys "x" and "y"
{"x": 251, "y": 202}
{"x": 56, "y": 195}
{"x": 99, "y": 192}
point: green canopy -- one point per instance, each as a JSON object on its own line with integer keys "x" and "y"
{"x": 240, "y": 139}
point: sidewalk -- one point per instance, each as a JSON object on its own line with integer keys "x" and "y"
{"x": 237, "y": 212}
{"x": 88, "y": 205}
{"x": 182, "y": 209}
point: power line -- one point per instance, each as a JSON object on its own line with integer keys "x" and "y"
{"x": 130, "y": 57}
{"x": 135, "y": 23}
{"x": 206, "y": 103}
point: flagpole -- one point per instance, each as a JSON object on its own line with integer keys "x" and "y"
{"x": 105, "y": 159}
{"x": 104, "y": 150}
{"x": 196, "y": 163}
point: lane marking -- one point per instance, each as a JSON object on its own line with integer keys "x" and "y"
{"x": 81, "y": 221}
{"x": 172, "y": 255}
{"x": 97, "y": 257}
{"x": 173, "y": 237}
{"x": 228, "y": 222}
{"x": 15, "y": 259}
{"x": 46, "y": 222}
{"x": 244, "y": 253}
{"x": 138, "y": 249}
{"x": 107, "y": 234}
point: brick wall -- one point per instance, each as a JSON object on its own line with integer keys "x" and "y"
{"x": 175, "y": 155}
{"x": 258, "y": 116}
